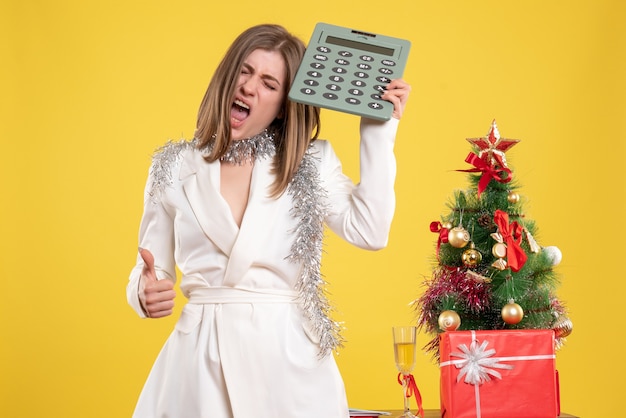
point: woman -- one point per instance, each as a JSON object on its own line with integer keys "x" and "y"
{"x": 240, "y": 210}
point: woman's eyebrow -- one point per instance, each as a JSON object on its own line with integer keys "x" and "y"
{"x": 264, "y": 76}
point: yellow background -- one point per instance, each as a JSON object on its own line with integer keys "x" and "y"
{"x": 90, "y": 88}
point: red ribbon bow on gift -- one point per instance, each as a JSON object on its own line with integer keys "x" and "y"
{"x": 411, "y": 389}
{"x": 489, "y": 171}
{"x": 512, "y": 236}
{"x": 443, "y": 234}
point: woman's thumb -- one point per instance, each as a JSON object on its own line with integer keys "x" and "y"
{"x": 148, "y": 260}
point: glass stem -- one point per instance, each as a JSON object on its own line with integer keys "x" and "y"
{"x": 405, "y": 388}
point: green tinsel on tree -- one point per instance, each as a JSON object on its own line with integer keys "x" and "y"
{"x": 490, "y": 273}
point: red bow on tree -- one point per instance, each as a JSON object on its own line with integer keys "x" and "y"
{"x": 443, "y": 234}
{"x": 512, "y": 236}
{"x": 489, "y": 172}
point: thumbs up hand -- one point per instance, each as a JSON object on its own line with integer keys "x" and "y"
{"x": 156, "y": 296}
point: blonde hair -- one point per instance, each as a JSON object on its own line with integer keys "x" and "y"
{"x": 294, "y": 131}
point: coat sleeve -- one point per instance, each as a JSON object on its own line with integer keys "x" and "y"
{"x": 156, "y": 234}
{"x": 362, "y": 213}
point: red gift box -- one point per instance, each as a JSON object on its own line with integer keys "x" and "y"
{"x": 498, "y": 374}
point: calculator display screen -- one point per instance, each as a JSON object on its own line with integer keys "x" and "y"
{"x": 359, "y": 45}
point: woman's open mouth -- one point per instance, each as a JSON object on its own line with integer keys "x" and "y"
{"x": 239, "y": 111}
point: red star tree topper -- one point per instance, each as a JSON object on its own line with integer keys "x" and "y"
{"x": 490, "y": 159}
{"x": 492, "y": 147}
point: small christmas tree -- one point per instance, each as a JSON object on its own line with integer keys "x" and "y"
{"x": 490, "y": 272}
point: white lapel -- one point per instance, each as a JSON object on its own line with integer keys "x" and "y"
{"x": 201, "y": 186}
{"x": 257, "y": 224}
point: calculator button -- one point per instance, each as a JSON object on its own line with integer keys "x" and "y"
{"x": 374, "y": 105}
{"x": 341, "y": 61}
{"x": 333, "y": 87}
{"x": 311, "y": 83}
{"x": 353, "y": 101}
{"x": 384, "y": 70}
{"x": 308, "y": 92}
{"x": 380, "y": 88}
{"x": 366, "y": 58}
{"x": 376, "y": 96}
{"x": 330, "y": 96}
{"x": 336, "y": 78}
{"x": 323, "y": 49}
{"x": 340, "y": 70}
{"x": 383, "y": 79}
{"x": 355, "y": 92}
{"x": 388, "y": 63}
{"x": 317, "y": 65}
{"x": 320, "y": 57}
{"x": 358, "y": 83}
{"x": 345, "y": 54}
{"x": 361, "y": 74}
{"x": 314, "y": 74}
{"x": 363, "y": 66}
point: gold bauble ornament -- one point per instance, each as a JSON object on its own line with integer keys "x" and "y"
{"x": 512, "y": 313}
{"x": 562, "y": 327}
{"x": 458, "y": 237}
{"x": 512, "y": 197}
{"x": 471, "y": 257}
{"x": 449, "y": 321}
{"x": 447, "y": 225}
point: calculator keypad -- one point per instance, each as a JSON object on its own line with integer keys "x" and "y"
{"x": 348, "y": 71}
{"x": 366, "y": 83}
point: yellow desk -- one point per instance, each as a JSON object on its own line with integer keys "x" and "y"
{"x": 436, "y": 413}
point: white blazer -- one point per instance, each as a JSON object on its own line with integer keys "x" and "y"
{"x": 242, "y": 346}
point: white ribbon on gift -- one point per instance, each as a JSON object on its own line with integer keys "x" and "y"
{"x": 477, "y": 364}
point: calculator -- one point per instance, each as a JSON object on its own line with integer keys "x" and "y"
{"x": 347, "y": 70}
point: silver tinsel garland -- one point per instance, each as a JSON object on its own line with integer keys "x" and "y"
{"x": 247, "y": 150}
{"x": 162, "y": 161}
{"x": 308, "y": 196}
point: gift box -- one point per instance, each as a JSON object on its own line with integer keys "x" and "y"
{"x": 498, "y": 374}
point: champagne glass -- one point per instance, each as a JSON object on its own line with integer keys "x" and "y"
{"x": 404, "y": 343}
